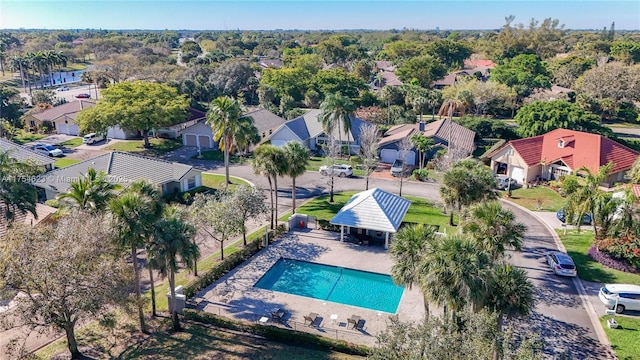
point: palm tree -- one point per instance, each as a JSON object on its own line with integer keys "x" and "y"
{"x": 50, "y": 58}
{"x": 18, "y": 64}
{"x": 134, "y": 214}
{"x": 434, "y": 98}
{"x": 454, "y": 272}
{"x": 92, "y": 191}
{"x": 16, "y": 195}
{"x": 510, "y": 293}
{"x": 585, "y": 198}
{"x": 409, "y": 248}
{"x": 423, "y": 144}
{"x": 270, "y": 161}
{"x": 495, "y": 229}
{"x": 336, "y": 110}
{"x": 223, "y": 117}
{"x": 173, "y": 243}
{"x": 246, "y": 134}
{"x": 297, "y": 158}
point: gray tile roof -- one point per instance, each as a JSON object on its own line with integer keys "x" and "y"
{"x": 265, "y": 120}
{"x": 373, "y": 209}
{"x": 309, "y": 126}
{"x": 64, "y": 109}
{"x": 23, "y": 154}
{"x": 463, "y": 138}
{"x": 121, "y": 167}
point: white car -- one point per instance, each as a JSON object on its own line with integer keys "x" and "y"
{"x": 397, "y": 168}
{"x": 48, "y": 150}
{"x": 620, "y": 297}
{"x": 62, "y": 88}
{"x": 561, "y": 264}
{"x": 505, "y": 182}
{"x": 337, "y": 169}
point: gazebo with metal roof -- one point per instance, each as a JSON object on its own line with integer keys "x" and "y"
{"x": 375, "y": 210}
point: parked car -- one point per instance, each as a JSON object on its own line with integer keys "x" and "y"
{"x": 92, "y": 138}
{"x": 586, "y": 218}
{"x": 504, "y": 182}
{"x": 83, "y": 96}
{"x": 397, "y": 168}
{"x": 620, "y": 297}
{"x": 561, "y": 264}
{"x": 62, "y": 88}
{"x": 48, "y": 150}
{"x": 337, "y": 169}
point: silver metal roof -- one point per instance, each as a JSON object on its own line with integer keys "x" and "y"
{"x": 373, "y": 209}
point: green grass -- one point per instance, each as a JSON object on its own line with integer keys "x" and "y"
{"x": 158, "y": 147}
{"x": 72, "y": 142}
{"x": 64, "y": 162}
{"x": 217, "y": 155}
{"x": 24, "y": 137}
{"x": 315, "y": 162}
{"x": 216, "y": 181}
{"x": 421, "y": 211}
{"x": 624, "y": 339}
{"x": 540, "y": 198}
{"x": 577, "y": 245}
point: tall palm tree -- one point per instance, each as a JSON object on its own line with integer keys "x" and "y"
{"x": 336, "y": 111}
{"x": 223, "y": 117}
{"x": 172, "y": 243}
{"x": 409, "y": 249}
{"x": 270, "y": 161}
{"x": 587, "y": 195}
{"x": 246, "y": 134}
{"x": 49, "y": 57}
{"x": 134, "y": 214}
{"x": 297, "y": 158}
{"x": 92, "y": 191}
{"x": 495, "y": 229}
{"x": 18, "y": 64}
{"x": 509, "y": 293}
{"x": 454, "y": 273}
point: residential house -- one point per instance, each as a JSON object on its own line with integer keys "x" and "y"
{"x": 480, "y": 73}
{"x": 44, "y": 215}
{"x": 24, "y": 154}
{"x": 194, "y": 116}
{"x": 308, "y": 130}
{"x": 444, "y": 133}
{"x": 388, "y": 72}
{"x": 270, "y": 63}
{"x": 560, "y": 152}
{"x": 61, "y": 117}
{"x": 122, "y": 168}
{"x": 200, "y": 134}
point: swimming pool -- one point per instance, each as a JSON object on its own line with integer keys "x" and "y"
{"x": 332, "y": 283}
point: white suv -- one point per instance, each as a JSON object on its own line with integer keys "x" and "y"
{"x": 620, "y": 296}
{"x": 337, "y": 169}
{"x": 48, "y": 150}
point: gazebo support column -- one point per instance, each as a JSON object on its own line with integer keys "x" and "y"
{"x": 386, "y": 240}
{"x": 341, "y": 233}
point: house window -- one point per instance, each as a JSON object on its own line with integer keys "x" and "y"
{"x": 191, "y": 183}
{"x": 560, "y": 143}
{"x": 32, "y": 123}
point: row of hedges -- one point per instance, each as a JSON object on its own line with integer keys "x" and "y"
{"x": 230, "y": 263}
{"x": 285, "y": 336}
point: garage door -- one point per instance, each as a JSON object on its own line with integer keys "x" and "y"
{"x": 388, "y": 155}
{"x": 72, "y": 129}
{"x": 410, "y": 158}
{"x": 205, "y": 141}
{"x": 517, "y": 173}
{"x": 190, "y": 140}
{"x": 62, "y": 128}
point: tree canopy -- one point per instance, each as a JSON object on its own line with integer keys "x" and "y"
{"x": 135, "y": 106}
{"x": 540, "y": 117}
{"x": 425, "y": 69}
{"x": 523, "y": 73}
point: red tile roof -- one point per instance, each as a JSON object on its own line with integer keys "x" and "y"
{"x": 636, "y": 190}
{"x": 469, "y": 63}
{"x": 580, "y": 149}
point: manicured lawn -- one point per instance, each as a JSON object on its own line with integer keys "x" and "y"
{"x": 72, "y": 142}
{"x": 540, "y": 198}
{"x": 159, "y": 147}
{"x": 315, "y": 162}
{"x": 624, "y": 339}
{"x": 24, "y": 137}
{"x": 64, "y": 162}
{"x": 577, "y": 245}
{"x": 216, "y": 155}
{"x": 216, "y": 181}
{"x": 421, "y": 211}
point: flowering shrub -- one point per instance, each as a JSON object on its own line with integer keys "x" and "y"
{"x": 610, "y": 262}
{"x": 626, "y": 247}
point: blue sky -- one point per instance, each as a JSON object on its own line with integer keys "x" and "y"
{"x": 311, "y": 15}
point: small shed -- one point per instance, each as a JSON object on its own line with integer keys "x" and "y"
{"x": 375, "y": 210}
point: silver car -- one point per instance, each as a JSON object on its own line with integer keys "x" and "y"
{"x": 561, "y": 264}
{"x": 337, "y": 169}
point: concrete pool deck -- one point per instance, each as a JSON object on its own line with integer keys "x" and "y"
{"x": 234, "y": 295}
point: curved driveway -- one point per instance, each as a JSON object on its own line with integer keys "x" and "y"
{"x": 560, "y": 316}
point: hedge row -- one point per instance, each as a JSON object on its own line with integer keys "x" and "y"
{"x": 274, "y": 333}
{"x": 229, "y": 263}
{"x": 610, "y": 262}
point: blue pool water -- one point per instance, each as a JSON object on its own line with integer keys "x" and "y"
{"x": 346, "y": 286}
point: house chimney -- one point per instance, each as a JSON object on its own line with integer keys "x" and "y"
{"x": 421, "y": 126}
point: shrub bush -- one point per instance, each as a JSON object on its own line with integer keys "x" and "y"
{"x": 421, "y": 174}
{"x": 626, "y": 247}
{"x": 610, "y": 262}
{"x": 278, "y": 334}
